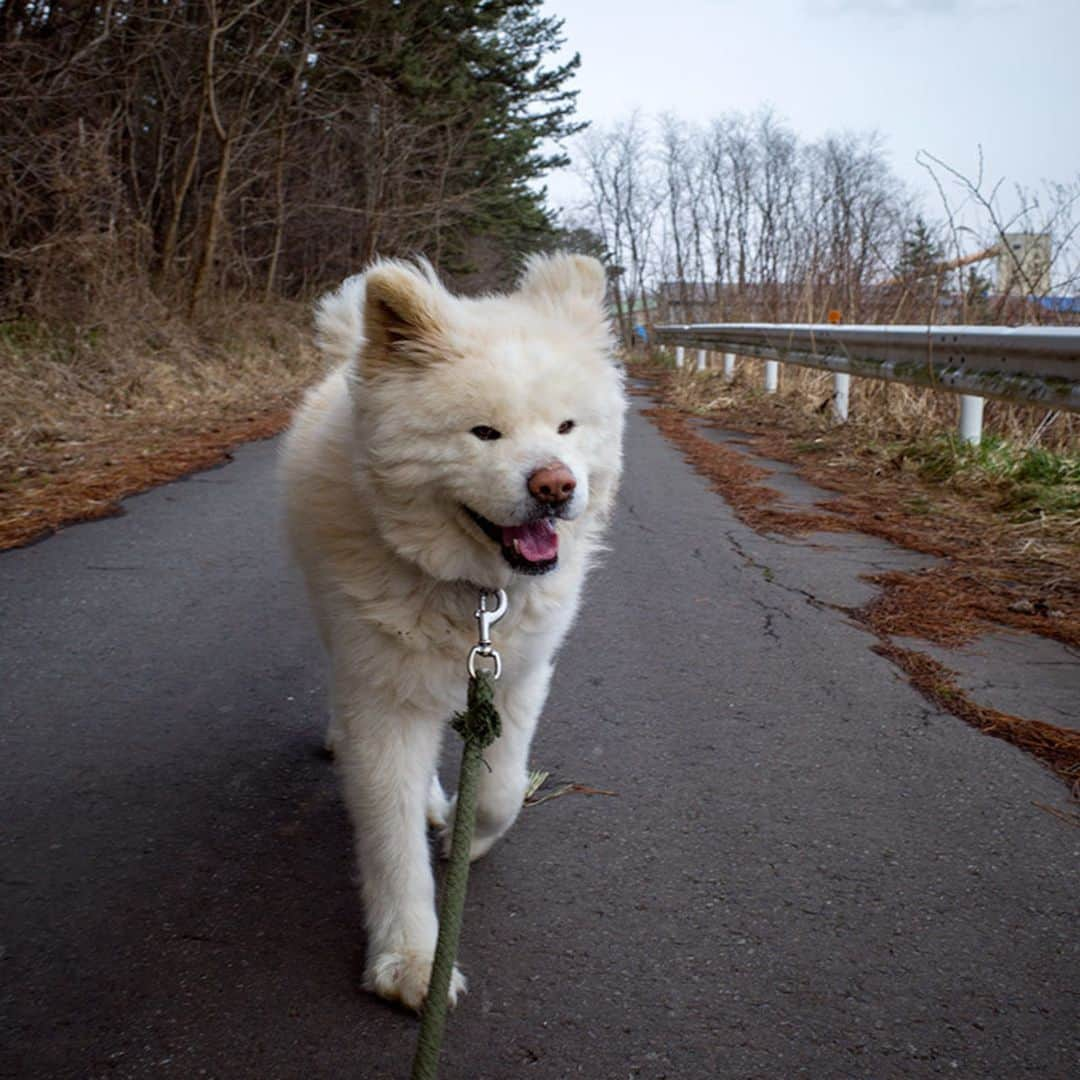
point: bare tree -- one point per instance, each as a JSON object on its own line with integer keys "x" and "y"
{"x": 625, "y": 201}
{"x": 982, "y": 227}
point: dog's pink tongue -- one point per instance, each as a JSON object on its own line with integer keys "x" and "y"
{"x": 538, "y": 541}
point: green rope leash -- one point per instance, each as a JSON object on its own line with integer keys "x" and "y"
{"x": 479, "y": 727}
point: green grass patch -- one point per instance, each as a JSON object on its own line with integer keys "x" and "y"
{"x": 918, "y": 504}
{"x": 29, "y": 340}
{"x": 1030, "y": 481}
{"x": 22, "y": 335}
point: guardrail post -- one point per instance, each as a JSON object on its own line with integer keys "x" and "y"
{"x": 702, "y": 360}
{"x": 971, "y": 418}
{"x": 772, "y": 376}
{"x": 680, "y": 353}
{"x": 841, "y": 388}
{"x": 729, "y": 367}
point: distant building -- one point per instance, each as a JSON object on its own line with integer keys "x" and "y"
{"x": 720, "y": 301}
{"x": 1023, "y": 264}
{"x": 685, "y": 301}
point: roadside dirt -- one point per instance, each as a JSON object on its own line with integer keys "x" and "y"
{"x": 70, "y": 482}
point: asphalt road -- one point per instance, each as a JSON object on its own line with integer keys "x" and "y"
{"x": 806, "y": 871}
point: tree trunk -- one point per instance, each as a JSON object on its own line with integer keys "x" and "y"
{"x": 172, "y": 234}
{"x": 213, "y": 227}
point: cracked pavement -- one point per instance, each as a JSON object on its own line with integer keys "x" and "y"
{"x": 806, "y": 870}
{"x": 1023, "y": 674}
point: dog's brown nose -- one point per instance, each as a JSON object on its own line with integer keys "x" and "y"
{"x": 553, "y": 484}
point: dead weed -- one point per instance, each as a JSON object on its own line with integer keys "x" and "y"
{"x": 92, "y": 413}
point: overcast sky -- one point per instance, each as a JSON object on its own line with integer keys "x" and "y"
{"x": 939, "y": 75}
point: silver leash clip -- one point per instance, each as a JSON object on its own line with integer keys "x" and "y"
{"x": 485, "y": 620}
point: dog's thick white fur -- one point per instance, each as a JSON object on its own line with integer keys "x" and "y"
{"x": 414, "y": 475}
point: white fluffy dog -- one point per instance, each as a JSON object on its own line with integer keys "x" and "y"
{"x": 460, "y": 444}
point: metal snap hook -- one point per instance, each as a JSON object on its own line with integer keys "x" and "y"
{"x": 485, "y": 620}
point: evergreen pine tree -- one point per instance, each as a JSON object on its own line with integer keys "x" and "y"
{"x": 920, "y": 258}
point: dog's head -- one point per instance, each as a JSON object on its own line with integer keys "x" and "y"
{"x": 490, "y": 429}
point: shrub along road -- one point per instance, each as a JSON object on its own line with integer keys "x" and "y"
{"x": 805, "y": 869}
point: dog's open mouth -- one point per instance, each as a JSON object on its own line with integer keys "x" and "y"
{"x": 532, "y": 548}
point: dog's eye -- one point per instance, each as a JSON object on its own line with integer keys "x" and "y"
{"x": 485, "y": 433}
{"x": 566, "y": 426}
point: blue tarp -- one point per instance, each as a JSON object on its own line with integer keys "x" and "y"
{"x": 1059, "y": 303}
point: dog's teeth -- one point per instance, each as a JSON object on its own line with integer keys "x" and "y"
{"x": 516, "y": 544}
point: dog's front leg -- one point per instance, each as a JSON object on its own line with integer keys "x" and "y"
{"x": 387, "y": 756}
{"x": 502, "y": 785}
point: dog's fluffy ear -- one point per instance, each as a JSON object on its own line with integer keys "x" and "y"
{"x": 556, "y": 279}
{"x": 405, "y": 311}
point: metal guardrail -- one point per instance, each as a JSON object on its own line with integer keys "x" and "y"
{"x": 1033, "y": 365}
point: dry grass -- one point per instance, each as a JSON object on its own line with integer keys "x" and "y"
{"x": 95, "y": 410}
{"x": 879, "y": 413}
{"x": 1023, "y": 482}
{"x": 63, "y": 384}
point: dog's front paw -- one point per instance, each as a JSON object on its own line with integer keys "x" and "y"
{"x": 404, "y": 977}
